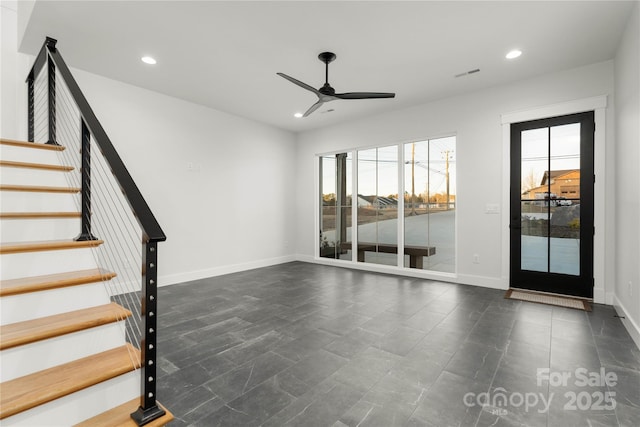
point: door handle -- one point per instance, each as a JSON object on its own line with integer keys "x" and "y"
{"x": 515, "y": 224}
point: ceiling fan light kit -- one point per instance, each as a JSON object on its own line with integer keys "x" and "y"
{"x": 327, "y": 93}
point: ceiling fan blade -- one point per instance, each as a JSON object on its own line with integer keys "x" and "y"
{"x": 299, "y": 83}
{"x": 364, "y": 95}
{"x": 313, "y": 108}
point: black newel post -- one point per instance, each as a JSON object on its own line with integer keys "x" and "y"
{"x": 149, "y": 409}
{"x": 85, "y": 138}
{"x": 30, "y": 99}
{"x": 51, "y": 78}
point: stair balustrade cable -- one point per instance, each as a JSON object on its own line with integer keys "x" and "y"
{"x": 115, "y": 226}
{"x": 41, "y": 123}
{"x": 123, "y": 289}
{"x": 111, "y": 222}
{"x": 113, "y": 210}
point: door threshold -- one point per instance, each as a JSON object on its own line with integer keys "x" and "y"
{"x": 547, "y": 298}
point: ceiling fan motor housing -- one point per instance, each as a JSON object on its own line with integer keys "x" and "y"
{"x": 326, "y": 89}
{"x": 327, "y": 57}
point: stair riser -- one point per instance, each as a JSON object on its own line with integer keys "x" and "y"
{"x": 29, "y": 176}
{"x": 29, "y": 264}
{"x": 29, "y": 358}
{"x": 29, "y": 155}
{"x": 23, "y": 201}
{"x": 18, "y": 308}
{"x": 35, "y": 357}
{"x": 76, "y": 407}
{"x": 25, "y": 230}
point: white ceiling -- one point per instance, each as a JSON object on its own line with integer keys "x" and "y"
{"x": 225, "y": 55}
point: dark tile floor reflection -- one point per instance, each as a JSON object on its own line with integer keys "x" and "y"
{"x": 309, "y": 345}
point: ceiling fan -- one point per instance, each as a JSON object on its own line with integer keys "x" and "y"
{"x": 326, "y": 93}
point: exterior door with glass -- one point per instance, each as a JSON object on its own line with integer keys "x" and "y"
{"x": 552, "y": 205}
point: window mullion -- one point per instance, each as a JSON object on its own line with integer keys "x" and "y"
{"x": 401, "y": 186}
{"x": 354, "y": 207}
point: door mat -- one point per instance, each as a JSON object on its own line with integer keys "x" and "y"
{"x": 541, "y": 298}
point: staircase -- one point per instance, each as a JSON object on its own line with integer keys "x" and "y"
{"x": 63, "y": 354}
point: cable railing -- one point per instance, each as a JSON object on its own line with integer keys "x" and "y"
{"x": 41, "y": 123}
{"x": 111, "y": 218}
{"x": 111, "y": 205}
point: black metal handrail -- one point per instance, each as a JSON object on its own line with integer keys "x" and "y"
{"x": 151, "y": 230}
{"x": 145, "y": 217}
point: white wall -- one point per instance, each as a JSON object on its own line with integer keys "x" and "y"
{"x": 476, "y": 119}
{"x": 12, "y": 124}
{"x": 233, "y": 210}
{"x": 222, "y": 217}
{"x": 627, "y": 74}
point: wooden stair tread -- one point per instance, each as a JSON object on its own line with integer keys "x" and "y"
{"x": 120, "y": 416}
{"x": 38, "y": 189}
{"x": 53, "y": 281}
{"x": 21, "y": 394}
{"x": 13, "y": 164}
{"x": 50, "y": 245}
{"x": 39, "y": 215}
{"x": 21, "y": 333}
{"x": 25, "y": 144}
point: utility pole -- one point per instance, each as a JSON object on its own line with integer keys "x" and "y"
{"x": 446, "y": 156}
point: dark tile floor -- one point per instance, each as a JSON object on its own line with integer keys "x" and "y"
{"x": 309, "y": 345}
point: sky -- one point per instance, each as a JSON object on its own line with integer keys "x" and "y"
{"x": 378, "y": 168}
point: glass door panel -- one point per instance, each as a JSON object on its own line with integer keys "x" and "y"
{"x": 534, "y": 211}
{"x": 551, "y": 206}
{"x": 564, "y": 185}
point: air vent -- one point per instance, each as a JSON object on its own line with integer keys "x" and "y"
{"x": 466, "y": 73}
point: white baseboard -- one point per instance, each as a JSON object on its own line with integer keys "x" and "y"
{"x": 172, "y": 279}
{"x": 629, "y": 322}
{"x": 379, "y": 268}
{"x": 464, "y": 279}
{"x": 305, "y": 258}
{"x": 602, "y": 297}
{"x": 483, "y": 281}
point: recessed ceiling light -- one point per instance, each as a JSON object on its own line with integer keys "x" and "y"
{"x": 148, "y": 60}
{"x": 513, "y": 54}
{"x": 297, "y": 115}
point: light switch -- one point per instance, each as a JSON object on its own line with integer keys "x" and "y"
{"x": 492, "y": 208}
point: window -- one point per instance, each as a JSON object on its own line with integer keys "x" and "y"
{"x": 430, "y": 202}
{"x": 335, "y": 206}
{"x": 378, "y": 205}
{"x": 417, "y": 179}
